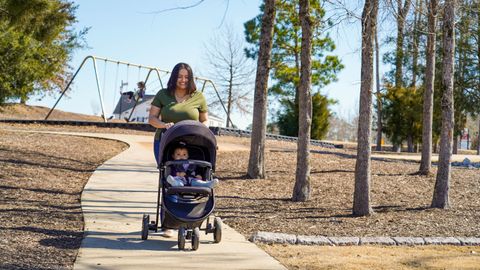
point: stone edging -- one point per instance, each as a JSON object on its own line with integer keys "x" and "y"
{"x": 283, "y": 238}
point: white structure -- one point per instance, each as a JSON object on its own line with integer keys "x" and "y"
{"x": 126, "y": 104}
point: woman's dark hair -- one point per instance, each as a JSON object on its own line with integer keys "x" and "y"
{"x": 172, "y": 82}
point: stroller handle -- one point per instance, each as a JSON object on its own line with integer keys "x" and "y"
{"x": 189, "y": 161}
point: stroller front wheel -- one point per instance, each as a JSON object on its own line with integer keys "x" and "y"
{"x": 181, "y": 238}
{"x": 195, "y": 238}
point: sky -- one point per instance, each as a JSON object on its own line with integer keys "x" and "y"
{"x": 136, "y": 32}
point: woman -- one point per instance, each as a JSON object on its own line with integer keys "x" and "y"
{"x": 180, "y": 101}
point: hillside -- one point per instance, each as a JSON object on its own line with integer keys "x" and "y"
{"x": 20, "y": 111}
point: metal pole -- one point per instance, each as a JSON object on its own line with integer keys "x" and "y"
{"x": 99, "y": 89}
{"x": 203, "y": 86}
{"x": 158, "y": 74}
{"x": 159, "y": 78}
{"x": 66, "y": 88}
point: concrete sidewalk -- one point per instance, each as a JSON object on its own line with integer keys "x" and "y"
{"x": 117, "y": 195}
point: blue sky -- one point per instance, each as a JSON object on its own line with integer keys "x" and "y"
{"x": 128, "y": 31}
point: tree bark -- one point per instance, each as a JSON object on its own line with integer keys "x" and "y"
{"x": 361, "y": 196}
{"x": 478, "y": 136}
{"x": 256, "y": 162}
{"x": 455, "y": 145}
{"x": 442, "y": 183}
{"x": 378, "y": 94}
{"x": 229, "y": 103}
{"x": 301, "y": 190}
{"x": 426, "y": 161}
{"x": 478, "y": 65}
{"x": 401, "y": 15}
{"x": 410, "y": 144}
{"x": 416, "y": 37}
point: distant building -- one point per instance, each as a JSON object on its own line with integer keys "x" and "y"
{"x": 140, "y": 114}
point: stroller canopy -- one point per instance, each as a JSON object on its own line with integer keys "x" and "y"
{"x": 200, "y": 141}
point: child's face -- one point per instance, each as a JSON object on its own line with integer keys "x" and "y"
{"x": 180, "y": 153}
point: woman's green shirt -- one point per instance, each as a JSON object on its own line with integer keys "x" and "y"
{"x": 171, "y": 111}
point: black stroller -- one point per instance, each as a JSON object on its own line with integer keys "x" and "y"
{"x": 186, "y": 207}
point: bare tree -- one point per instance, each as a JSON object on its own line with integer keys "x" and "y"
{"x": 442, "y": 183}
{"x": 378, "y": 94}
{"x": 478, "y": 137}
{"x": 301, "y": 190}
{"x": 256, "y": 162}
{"x": 402, "y": 12}
{"x": 426, "y": 161}
{"x": 401, "y": 15}
{"x": 232, "y": 70}
{"x": 478, "y": 65}
{"x": 361, "y": 196}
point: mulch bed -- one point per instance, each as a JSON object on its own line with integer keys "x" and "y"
{"x": 399, "y": 198}
{"x": 41, "y": 178}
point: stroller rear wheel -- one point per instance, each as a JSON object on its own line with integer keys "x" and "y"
{"x": 181, "y": 238}
{"x": 195, "y": 238}
{"x": 145, "y": 222}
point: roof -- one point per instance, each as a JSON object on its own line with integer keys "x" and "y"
{"x": 126, "y": 103}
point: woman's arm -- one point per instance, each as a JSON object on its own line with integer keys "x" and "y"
{"x": 203, "y": 118}
{"x": 155, "y": 119}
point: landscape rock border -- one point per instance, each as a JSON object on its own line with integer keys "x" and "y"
{"x": 292, "y": 239}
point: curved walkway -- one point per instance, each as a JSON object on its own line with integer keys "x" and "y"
{"x": 117, "y": 195}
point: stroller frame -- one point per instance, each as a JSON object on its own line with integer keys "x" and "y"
{"x": 191, "y": 198}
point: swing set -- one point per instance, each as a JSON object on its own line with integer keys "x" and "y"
{"x": 141, "y": 84}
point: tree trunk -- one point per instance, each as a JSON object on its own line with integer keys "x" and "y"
{"x": 401, "y": 15}
{"x": 361, "y": 196}
{"x": 397, "y": 148}
{"x": 379, "y": 94}
{"x": 256, "y": 162}
{"x": 410, "y": 144}
{"x": 455, "y": 144}
{"x": 478, "y": 136}
{"x": 478, "y": 65}
{"x": 229, "y": 102}
{"x": 416, "y": 37}
{"x": 426, "y": 161}
{"x": 442, "y": 184}
{"x": 301, "y": 190}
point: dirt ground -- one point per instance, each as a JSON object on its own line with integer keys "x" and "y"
{"x": 374, "y": 257}
{"x": 41, "y": 183}
{"x": 41, "y": 180}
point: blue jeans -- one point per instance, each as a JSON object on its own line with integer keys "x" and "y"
{"x": 156, "y": 149}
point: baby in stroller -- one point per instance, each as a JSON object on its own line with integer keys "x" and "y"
{"x": 186, "y": 174}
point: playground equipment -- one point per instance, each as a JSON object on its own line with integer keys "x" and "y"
{"x": 141, "y": 84}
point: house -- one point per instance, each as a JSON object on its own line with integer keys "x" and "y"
{"x": 126, "y": 104}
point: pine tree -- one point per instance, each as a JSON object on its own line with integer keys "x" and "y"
{"x": 37, "y": 42}
{"x": 286, "y": 57}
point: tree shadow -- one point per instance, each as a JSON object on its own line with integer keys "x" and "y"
{"x": 252, "y": 199}
{"x": 41, "y": 190}
{"x": 398, "y": 208}
{"x": 332, "y": 171}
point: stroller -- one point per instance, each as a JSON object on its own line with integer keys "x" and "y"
{"x": 186, "y": 207}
